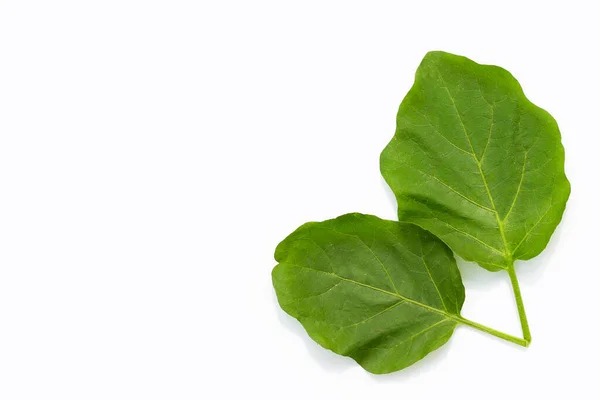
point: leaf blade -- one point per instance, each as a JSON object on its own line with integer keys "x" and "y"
{"x": 494, "y": 188}
{"x": 385, "y": 321}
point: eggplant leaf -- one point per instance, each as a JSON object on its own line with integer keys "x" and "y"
{"x": 477, "y": 164}
{"x": 384, "y": 293}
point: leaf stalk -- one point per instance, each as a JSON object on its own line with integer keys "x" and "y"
{"x": 493, "y": 332}
{"x": 519, "y": 300}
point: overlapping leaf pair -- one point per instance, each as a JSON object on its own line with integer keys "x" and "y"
{"x": 476, "y": 169}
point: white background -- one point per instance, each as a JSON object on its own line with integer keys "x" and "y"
{"x": 153, "y": 154}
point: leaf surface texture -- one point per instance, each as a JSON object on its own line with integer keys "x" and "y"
{"x": 476, "y": 163}
{"x": 384, "y": 293}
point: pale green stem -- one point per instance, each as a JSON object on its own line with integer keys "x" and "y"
{"x": 519, "y": 299}
{"x": 493, "y": 332}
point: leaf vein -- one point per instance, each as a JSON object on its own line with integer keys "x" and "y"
{"x": 530, "y": 230}
{"x": 434, "y": 284}
{"x": 518, "y": 189}
{"x": 411, "y": 337}
{"x": 374, "y": 255}
{"x": 471, "y": 236}
{"x": 457, "y": 192}
{"x": 438, "y": 132}
{"x": 487, "y": 189}
{"x": 407, "y": 299}
{"x": 375, "y": 315}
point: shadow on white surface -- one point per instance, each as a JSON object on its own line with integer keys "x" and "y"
{"x": 326, "y": 359}
{"x": 530, "y": 271}
{"x": 479, "y": 278}
{"x": 476, "y": 277}
{"x": 431, "y": 362}
{"x": 389, "y": 194}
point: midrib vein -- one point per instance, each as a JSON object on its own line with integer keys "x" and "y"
{"x": 507, "y": 254}
{"x": 500, "y": 224}
{"x": 386, "y": 270}
{"x": 397, "y": 295}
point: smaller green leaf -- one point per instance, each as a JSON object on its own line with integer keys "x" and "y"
{"x": 384, "y": 293}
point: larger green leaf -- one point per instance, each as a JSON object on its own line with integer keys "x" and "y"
{"x": 381, "y": 292}
{"x": 476, "y": 163}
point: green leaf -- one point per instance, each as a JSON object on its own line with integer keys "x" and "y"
{"x": 384, "y": 293}
{"x": 476, "y": 163}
